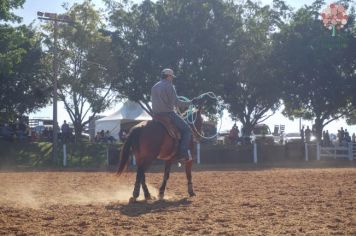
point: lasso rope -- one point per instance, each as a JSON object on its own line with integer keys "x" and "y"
{"x": 190, "y": 117}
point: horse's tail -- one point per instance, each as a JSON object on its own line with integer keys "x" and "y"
{"x": 132, "y": 139}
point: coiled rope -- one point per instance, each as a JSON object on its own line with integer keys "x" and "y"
{"x": 190, "y": 117}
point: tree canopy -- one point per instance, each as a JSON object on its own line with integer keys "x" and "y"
{"x": 187, "y": 36}
{"x": 256, "y": 57}
{"x": 23, "y": 85}
{"x": 84, "y": 83}
{"x": 316, "y": 69}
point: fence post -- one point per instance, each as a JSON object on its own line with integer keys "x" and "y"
{"x": 306, "y": 151}
{"x": 64, "y": 155}
{"x": 133, "y": 160}
{"x": 350, "y": 151}
{"x": 107, "y": 156}
{"x": 318, "y": 151}
{"x": 198, "y": 152}
{"x": 254, "y": 152}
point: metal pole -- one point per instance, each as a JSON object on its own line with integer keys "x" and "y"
{"x": 255, "y": 153}
{"x": 107, "y": 156}
{"x": 306, "y": 151}
{"x": 300, "y": 124}
{"x": 350, "y": 151}
{"x": 198, "y": 153}
{"x": 64, "y": 155}
{"x": 318, "y": 151}
{"x": 55, "y": 18}
{"x": 55, "y": 77}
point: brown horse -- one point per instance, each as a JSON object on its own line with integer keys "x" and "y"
{"x": 149, "y": 141}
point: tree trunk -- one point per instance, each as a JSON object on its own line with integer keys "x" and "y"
{"x": 318, "y": 129}
{"x": 77, "y": 131}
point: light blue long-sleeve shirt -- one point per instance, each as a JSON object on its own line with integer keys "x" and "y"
{"x": 164, "y": 97}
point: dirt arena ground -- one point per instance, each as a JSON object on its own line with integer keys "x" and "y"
{"x": 235, "y": 202}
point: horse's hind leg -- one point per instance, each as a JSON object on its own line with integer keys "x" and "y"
{"x": 139, "y": 176}
{"x": 188, "y": 172}
{"x": 145, "y": 189}
{"x": 167, "y": 169}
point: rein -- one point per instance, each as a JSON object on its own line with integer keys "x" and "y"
{"x": 190, "y": 116}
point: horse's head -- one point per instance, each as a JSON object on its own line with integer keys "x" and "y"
{"x": 194, "y": 118}
{"x": 208, "y": 100}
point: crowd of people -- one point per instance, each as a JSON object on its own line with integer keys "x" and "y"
{"x": 308, "y": 135}
{"x": 15, "y": 131}
{"x": 342, "y": 138}
{"x": 21, "y": 131}
{"x": 106, "y": 137}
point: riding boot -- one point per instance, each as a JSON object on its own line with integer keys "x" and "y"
{"x": 183, "y": 156}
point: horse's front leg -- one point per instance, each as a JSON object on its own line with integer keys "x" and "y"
{"x": 167, "y": 170}
{"x": 188, "y": 172}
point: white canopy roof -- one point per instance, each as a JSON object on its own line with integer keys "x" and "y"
{"x": 130, "y": 111}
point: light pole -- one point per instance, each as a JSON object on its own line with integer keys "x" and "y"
{"x": 55, "y": 18}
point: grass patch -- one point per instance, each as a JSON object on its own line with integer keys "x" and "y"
{"x": 39, "y": 154}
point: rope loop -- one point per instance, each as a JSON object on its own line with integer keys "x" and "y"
{"x": 190, "y": 117}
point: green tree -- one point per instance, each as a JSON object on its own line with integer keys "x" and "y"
{"x": 6, "y": 7}
{"x": 86, "y": 67}
{"x": 23, "y": 83}
{"x": 316, "y": 69}
{"x": 187, "y": 36}
{"x": 250, "y": 87}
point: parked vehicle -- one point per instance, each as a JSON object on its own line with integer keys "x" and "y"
{"x": 262, "y": 134}
{"x": 292, "y": 138}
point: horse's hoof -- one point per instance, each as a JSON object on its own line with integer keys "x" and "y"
{"x": 148, "y": 198}
{"x": 132, "y": 200}
{"x": 161, "y": 196}
{"x": 192, "y": 194}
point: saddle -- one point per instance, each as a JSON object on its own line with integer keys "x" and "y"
{"x": 173, "y": 132}
{"x": 169, "y": 125}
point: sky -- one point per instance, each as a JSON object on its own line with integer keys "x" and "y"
{"x": 29, "y": 14}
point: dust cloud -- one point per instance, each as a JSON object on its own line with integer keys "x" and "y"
{"x": 46, "y": 189}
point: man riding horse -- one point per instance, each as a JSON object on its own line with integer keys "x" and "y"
{"x": 157, "y": 139}
{"x": 164, "y": 100}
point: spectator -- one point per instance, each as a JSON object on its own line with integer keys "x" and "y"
{"x": 307, "y": 135}
{"x": 45, "y": 133}
{"x": 123, "y": 135}
{"x": 50, "y": 133}
{"x": 102, "y": 135}
{"x": 327, "y": 137}
{"x": 21, "y": 131}
{"x": 339, "y": 138}
{"x": 97, "y": 137}
{"x": 342, "y": 135}
{"x": 109, "y": 137}
{"x": 302, "y": 134}
{"x": 347, "y": 137}
{"x": 313, "y": 131}
{"x": 234, "y": 134}
{"x": 65, "y": 132}
{"x": 353, "y": 138}
{"x": 7, "y": 133}
{"x": 323, "y": 141}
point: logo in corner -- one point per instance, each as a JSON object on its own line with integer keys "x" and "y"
{"x": 334, "y": 17}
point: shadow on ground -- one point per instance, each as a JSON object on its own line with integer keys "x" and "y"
{"x": 144, "y": 207}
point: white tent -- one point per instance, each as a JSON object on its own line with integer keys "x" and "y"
{"x": 129, "y": 112}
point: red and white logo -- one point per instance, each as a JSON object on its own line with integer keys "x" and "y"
{"x": 334, "y": 17}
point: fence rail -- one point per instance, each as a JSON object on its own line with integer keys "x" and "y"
{"x": 345, "y": 152}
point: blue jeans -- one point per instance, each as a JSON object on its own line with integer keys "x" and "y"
{"x": 184, "y": 128}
